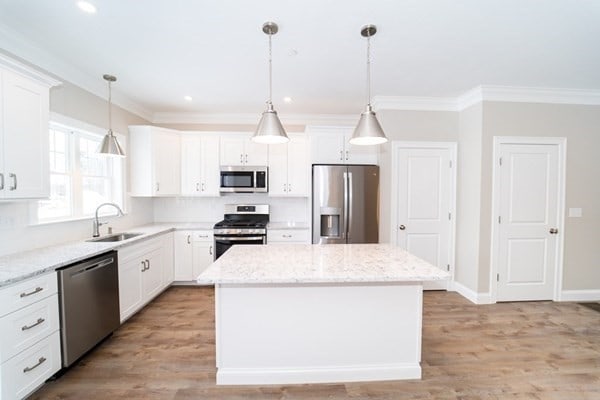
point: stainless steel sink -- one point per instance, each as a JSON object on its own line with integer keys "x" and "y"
{"x": 115, "y": 238}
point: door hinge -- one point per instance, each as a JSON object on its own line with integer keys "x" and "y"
{"x": 448, "y": 267}
{"x": 499, "y": 219}
{"x": 497, "y": 277}
{"x": 500, "y": 161}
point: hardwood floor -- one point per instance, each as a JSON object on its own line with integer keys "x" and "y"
{"x": 533, "y": 350}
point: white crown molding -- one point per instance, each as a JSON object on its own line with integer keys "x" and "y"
{"x": 540, "y": 95}
{"x": 17, "y": 45}
{"x": 252, "y": 118}
{"x": 28, "y": 71}
{"x": 413, "y": 103}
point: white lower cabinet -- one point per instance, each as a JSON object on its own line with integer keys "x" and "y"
{"x": 289, "y": 236}
{"x": 194, "y": 252}
{"x": 144, "y": 271}
{"x": 30, "y": 336}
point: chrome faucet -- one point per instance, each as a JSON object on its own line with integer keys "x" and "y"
{"x": 98, "y": 224}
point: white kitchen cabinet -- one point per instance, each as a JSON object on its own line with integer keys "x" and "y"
{"x": 24, "y": 116}
{"x": 194, "y": 252}
{"x": 239, "y": 149}
{"x": 142, "y": 271}
{"x": 155, "y": 161}
{"x": 199, "y": 165}
{"x": 289, "y": 167}
{"x": 330, "y": 145}
{"x": 288, "y": 236}
{"x": 29, "y": 328}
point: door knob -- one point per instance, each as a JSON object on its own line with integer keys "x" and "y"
{"x": 402, "y": 227}
{"x": 554, "y": 231}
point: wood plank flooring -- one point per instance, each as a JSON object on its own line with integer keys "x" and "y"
{"x": 532, "y": 350}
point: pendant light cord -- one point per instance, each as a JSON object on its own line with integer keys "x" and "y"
{"x": 109, "y": 108}
{"x": 368, "y": 69}
{"x": 270, "y": 71}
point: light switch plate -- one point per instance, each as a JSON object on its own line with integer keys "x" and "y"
{"x": 575, "y": 212}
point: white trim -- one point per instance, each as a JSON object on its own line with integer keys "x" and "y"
{"x": 452, "y": 148}
{"x": 539, "y": 95}
{"x": 253, "y": 118}
{"x": 580, "y": 295}
{"x": 414, "y": 103}
{"x": 561, "y": 142}
{"x": 249, "y": 376}
{"x": 469, "y": 294}
{"x": 26, "y": 70}
{"x": 16, "y": 44}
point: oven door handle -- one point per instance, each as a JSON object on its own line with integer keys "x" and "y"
{"x": 238, "y": 238}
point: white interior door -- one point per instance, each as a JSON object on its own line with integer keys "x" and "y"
{"x": 424, "y": 191}
{"x": 528, "y": 221}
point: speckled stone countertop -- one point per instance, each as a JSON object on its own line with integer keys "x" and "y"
{"x": 20, "y": 266}
{"x": 330, "y": 263}
{"x": 287, "y": 225}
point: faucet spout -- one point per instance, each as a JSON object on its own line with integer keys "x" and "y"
{"x": 97, "y": 223}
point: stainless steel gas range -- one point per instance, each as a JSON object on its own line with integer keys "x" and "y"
{"x": 243, "y": 224}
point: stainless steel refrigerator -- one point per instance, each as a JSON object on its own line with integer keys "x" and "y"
{"x": 345, "y": 204}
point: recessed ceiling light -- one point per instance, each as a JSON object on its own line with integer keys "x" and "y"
{"x": 187, "y": 98}
{"x": 287, "y": 99}
{"x": 86, "y": 7}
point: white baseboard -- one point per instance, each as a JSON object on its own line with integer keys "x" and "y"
{"x": 580, "y": 295}
{"x": 266, "y": 376}
{"x": 469, "y": 294}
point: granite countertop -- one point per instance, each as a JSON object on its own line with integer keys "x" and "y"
{"x": 288, "y": 225}
{"x": 330, "y": 263}
{"x": 20, "y": 266}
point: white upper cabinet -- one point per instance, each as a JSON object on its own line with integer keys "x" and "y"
{"x": 289, "y": 167}
{"x": 24, "y": 114}
{"x": 330, "y": 145}
{"x": 155, "y": 161}
{"x": 199, "y": 164}
{"x": 239, "y": 149}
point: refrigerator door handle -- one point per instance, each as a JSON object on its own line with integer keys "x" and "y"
{"x": 349, "y": 207}
{"x": 346, "y": 209}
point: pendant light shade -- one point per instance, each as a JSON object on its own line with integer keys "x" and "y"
{"x": 269, "y": 129}
{"x": 368, "y": 131}
{"x": 110, "y": 145}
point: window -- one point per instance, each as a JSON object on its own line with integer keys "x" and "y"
{"x": 80, "y": 179}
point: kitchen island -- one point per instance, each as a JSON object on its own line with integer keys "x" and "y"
{"x": 318, "y": 313}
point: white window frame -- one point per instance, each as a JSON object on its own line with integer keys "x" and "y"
{"x": 69, "y": 124}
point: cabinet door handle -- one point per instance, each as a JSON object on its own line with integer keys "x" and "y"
{"x": 346, "y": 155}
{"x": 1, "y": 181}
{"x": 148, "y": 262}
{"x": 210, "y": 250}
{"x": 197, "y": 187}
{"x": 157, "y": 186}
{"x": 341, "y": 155}
{"x": 246, "y": 158}
{"x": 40, "y": 362}
{"x": 289, "y": 187}
{"x": 203, "y": 187}
{"x": 36, "y": 290}
{"x": 14, "y": 185}
{"x": 241, "y": 158}
{"x": 284, "y": 187}
{"x": 189, "y": 237}
{"x": 143, "y": 266}
{"x": 27, "y": 327}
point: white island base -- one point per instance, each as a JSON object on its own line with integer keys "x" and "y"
{"x": 318, "y": 332}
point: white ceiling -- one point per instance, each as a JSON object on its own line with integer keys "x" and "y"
{"x": 216, "y": 52}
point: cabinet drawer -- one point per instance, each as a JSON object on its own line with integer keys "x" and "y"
{"x": 288, "y": 236}
{"x": 28, "y": 292}
{"x": 26, "y": 371}
{"x": 21, "y": 329}
{"x": 140, "y": 249}
{"x": 202, "y": 236}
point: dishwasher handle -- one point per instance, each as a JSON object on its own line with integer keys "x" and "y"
{"x": 91, "y": 266}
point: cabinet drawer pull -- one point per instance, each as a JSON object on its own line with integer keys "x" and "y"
{"x": 14, "y": 185}
{"x": 40, "y": 362}
{"x": 37, "y": 290}
{"x": 27, "y": 327}
{"x": 203, "y": 236}
{"x": 287, "y": 236}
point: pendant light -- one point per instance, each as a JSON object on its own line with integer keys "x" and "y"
{"x": 269, "y": 129}
{"x": 110, "y": 145}
{"x": 368, "y": 131}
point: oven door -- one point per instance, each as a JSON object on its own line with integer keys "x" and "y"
{"x": 223, "y": 243}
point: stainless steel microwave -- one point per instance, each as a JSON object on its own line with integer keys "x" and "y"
{"x": 238, "y": 179}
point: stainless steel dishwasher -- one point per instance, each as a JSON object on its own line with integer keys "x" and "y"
{"x": 89, "y": 304}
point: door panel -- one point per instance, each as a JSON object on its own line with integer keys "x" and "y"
{"x": 424, "y": 203}
{"x": 528, "y": 204}
{"x": 363, "y": 204}
{"x": 328, "y": 204}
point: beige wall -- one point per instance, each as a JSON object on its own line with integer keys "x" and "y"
{"x": 225, "y": 127}
{"x": 581, "y": 126}
{"x": 439, "y": 126}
